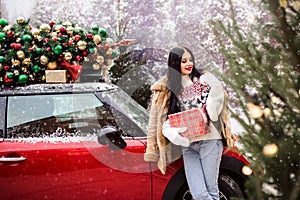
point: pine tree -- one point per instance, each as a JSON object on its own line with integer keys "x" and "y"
{"x": 263, "y": 67}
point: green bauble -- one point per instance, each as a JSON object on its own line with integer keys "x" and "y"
{"x": 3, "y": 22}
{"x": 1, "y": 59}
{"x": 23, "y": 78}
{"x": 2, "y": 36}
{"x": 58, "y": 49}
{"x": 38, "y": 50}
{"x": 92, "y": 50}
{"x": 10, "y": 74}
{"x": 103, "y": 32}
{"x": 36, "y": 69}
{"x": 95, "y": 28}
{"x": 27, "y": 38}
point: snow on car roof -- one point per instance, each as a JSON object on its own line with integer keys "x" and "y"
{"x": 57, "y": 88}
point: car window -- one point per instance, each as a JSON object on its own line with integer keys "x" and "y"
{"x": 70, "y": 115}
{"x": 130, "y": 116}
{"x": 62, "y": 115}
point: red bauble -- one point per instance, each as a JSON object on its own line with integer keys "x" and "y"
{"x": 46, "y": 40}
{"x": 54, "y": 38}
{"x": 6, "y": 67}
{"x": 62, "y": 29}
{"x": 78, "y": 57}
{"x": 71, "y": 42}
{"x": 17, "y": 46}
{"x": 85, "y": 53}
{"x": 89, "y": 35}
{"x": 77, "y": 37}
{"x": 52, "y": 23}
{"x": 10, "y": 34}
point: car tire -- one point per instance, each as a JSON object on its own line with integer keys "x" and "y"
{"x": 228, "y": 188}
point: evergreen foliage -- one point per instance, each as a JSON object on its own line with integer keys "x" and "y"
{"x": 127, "y": 72}
{"x": 263, "y": 67}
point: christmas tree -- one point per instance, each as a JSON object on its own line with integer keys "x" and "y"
{"x": 263, "y": 67}
{"x": 27, "y": 52}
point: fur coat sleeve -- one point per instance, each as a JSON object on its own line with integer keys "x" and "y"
{"x": 159, "y": 149}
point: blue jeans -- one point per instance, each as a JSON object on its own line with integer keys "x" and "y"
{"x": 201, "y": 162}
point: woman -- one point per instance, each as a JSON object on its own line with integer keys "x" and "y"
{"x": 201, "y": 154}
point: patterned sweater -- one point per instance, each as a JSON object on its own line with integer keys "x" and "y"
{"x": 197, "y": 93}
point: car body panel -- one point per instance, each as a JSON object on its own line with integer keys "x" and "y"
{"x": 52, "y": 169}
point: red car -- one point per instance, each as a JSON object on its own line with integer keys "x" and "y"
{"x": 86, "y": 141}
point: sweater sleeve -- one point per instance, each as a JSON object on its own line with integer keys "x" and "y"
{"x": 215, "y": 99}
{"x": 151, "y": 154}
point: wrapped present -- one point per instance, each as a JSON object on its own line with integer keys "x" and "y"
{"x": 195, "y": 120}
{"x": 56, "y": 76}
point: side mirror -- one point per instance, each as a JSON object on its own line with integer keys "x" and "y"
{"x": 112, "y": 136}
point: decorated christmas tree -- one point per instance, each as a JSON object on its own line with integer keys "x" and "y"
{"x": 262, "y": 74}
{"x": 28, "y": 54}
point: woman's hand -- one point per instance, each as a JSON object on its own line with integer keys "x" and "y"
{"x": 173, "y": 134}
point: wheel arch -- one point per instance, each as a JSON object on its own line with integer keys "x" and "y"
{"x": 174, "y": 184}
{"x": 233, "y": 167}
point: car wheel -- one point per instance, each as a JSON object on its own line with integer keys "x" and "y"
{"x": 228, "y": 188}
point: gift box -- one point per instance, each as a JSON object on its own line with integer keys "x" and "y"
{"x": 56, "y": 76}
{"x": 195, "y": 120}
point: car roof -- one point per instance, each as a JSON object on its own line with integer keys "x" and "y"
{"x": 59, "y": 88}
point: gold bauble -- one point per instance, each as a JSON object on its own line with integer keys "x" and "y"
{"x": 254, "y": 110}
{"x": 20, "y": 54}
{"x": 35, "y": 32}
{"x": 68, "y": 56}
{"x": 27, "y": 62}
{"x": 270, "y": 150}
{"x": 66, "y": 24}
{"x": 15, "y": 62}
{"x": 267, "y": 112}
{"x": 24, "y": 69}
{"x": 57, "y": 27}
{"x": 7, "y": 28}
{"x": 40, "y": 38}
{"x": 44, "y": 60}
{"x": 246, "y": 170}
{"x": 45, "y": 27}
{"x": 20, "y": 20}
{"x": 52, "y": 65}
{"x": 97, "y": 39}
{"x": 16, "y": 72}
{"x": 81, "y": 45}
{"x": 70, "y": 30}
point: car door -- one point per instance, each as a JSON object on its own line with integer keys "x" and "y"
{"x": 49, "y": 149}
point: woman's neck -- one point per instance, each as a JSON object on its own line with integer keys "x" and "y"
{"x": 186, "y": 80}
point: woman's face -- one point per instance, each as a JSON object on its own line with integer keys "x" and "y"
{"x": 187, "y": 63}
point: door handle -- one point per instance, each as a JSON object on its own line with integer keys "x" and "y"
{"x": 12, "y": 159}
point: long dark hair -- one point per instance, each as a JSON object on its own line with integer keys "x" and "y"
{"x": 175, "y": 76}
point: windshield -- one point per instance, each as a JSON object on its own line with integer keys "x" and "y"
{"x": 125, "y": 105}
